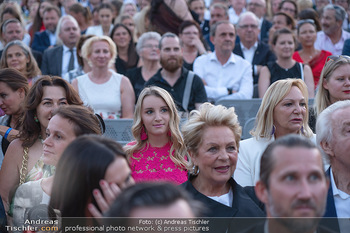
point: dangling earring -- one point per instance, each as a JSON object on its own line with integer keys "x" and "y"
{"x": 36, "y": 119}
{"x": 302, "y": 130}
{"x": 143, "y": 135}
{"x": 273, "y": 130}
{"x": 195, "y": 170}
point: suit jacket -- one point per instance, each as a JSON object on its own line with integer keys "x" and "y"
{"x": 346, "y": 48}
{"x": 262, "y": 56}
{"x": 242, "y": 206}
{"x": 37, "y": 55}
{"x": 41, "y": 41}
{"x": 264, "y": 31}
{"x": 331, "y": 213}
{"x": 52, "y": 61}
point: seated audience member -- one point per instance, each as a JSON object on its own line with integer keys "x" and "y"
{"x": 167, "y": 15}
{"x": 127, "y": 57}
{"x": 68, "y": 122}
{"x": 185, "y": 87}
{"x": 13, "y": 89}
{"x": 23, "y": 161}
{"x": 198, "y": 7}
{"x": 128, "y": 8}
{"x": 18, "y": 56}
{"x": 110, "y": 94}
{"x": 153, "y": 200}
{"x": 293, "y": 187}
{"x": 129, "y": 22}
{"x": 258, "y": 7}
{"x": 279, "y": 21}
{"x": 11, "y": 30}
{"x": 148, "y": 50}
{"x": 226, "y": 75}
{"x": 345, "y": 5}
{"x": 38, "y": 24}
{"x": 191, "y": 43}
{"x": 84, "y": 66}
{"x": 289, "y": 7}
{"x": 249, "y": 47}
{"x": 310, "y": 13}
{"x": 333, "y": 137}
{"x": 218, "y": 12}
{"x": 333, "y": 85}
{"x": 83, "y": 172}
{"x": 315, "y": 58}
{"x": 159, "y": 152}
{"x": 62, "y": 58}
{"x": 283, "y": 110}
{"x": 212, "y": 137}
{"x": 47, "y": 39}
{"x": 82, "y": 15}
{"x": 284, "y": 43}
{"x": 105, "y": 16}
{"x": 236, "y": 8}
{"x": 332, "y": 36}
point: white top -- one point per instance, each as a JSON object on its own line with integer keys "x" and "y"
{"x": 66, "y": 59}
{"x": 103, "y": 98}
{"x": 235, "y": 74}
{"x": 233, "y": 17}
{"x": 97, "y": 30}
{"x": 249, "y": 53}
{"x": 248, "y": 165}
{"x": 225, "y": 199}
{"x": 323, "y": 42}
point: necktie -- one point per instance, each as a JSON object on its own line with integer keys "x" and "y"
{"x": 71, "y": 61}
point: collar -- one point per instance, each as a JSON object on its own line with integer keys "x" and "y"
{"x": 336, "y": 191}
{"x": 49, "y": 32}
{"x": 213, "y": 57}
{"x": 255, "y": 46}
{"x": 66, "y": 49}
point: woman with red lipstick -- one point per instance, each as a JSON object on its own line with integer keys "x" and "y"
{"x": 158, "y": 152}
{"x": 67, "y": 123}
{"x": 13, "y": 90}
{"x": 22, "y": 162}
{"x": 334, "y": 84}
{"x": 284, "y": 43}
{"x": 283, "y": 110}
{"x": 212, "y": 137}
{"x": 109, "y": 94}
{"x": 316, "y": 59}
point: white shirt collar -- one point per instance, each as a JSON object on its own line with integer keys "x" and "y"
{"x": 336, "y": 191}
{"x": 255, "y": 46}
{"x": 213, "y": 57}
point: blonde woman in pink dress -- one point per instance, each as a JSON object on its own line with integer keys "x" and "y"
{"x": 158, "y": 152}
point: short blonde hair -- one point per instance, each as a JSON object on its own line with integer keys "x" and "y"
{"x": 178, "y": 151}
{"x": 208, "y": 115}
{"x": 322, "y": 98}
{"x": 87, "y": 47}
{"x": 274, "y": 94}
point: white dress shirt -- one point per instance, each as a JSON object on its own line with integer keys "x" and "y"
{"x": 52, "y": 37}
{"x": 66, "y": 58}
{"x": 235, "y": 74}
{"x": 323, "y": 42}
{"x": 249, "y": 53}
{"x": 97, "y": 30}
{"x": 233, "y": 17}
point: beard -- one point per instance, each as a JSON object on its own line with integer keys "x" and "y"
{"x": 172, "y": 65}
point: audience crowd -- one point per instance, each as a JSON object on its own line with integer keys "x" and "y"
{"x": 69, "y": 66}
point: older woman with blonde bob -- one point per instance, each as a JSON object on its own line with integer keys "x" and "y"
{"x": 110, "y": 94}
{"x": 283, "y": 110}
{"x": 158, "y": 152}
{"x": 212, "y": 137}
{"x": 18, "y": 55}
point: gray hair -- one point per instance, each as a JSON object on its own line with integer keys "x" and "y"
{"x": 145, "y": 37}
{"x": 339, "y": 11}
{"x": 219, "y": 5}
{"x": 324, "y": 126}
{"x": 247, "y": 14}
{"x": 60, "y": 24}
{"x": 215, "y": 26}
{"x": 7, "y": 22}
{"x": 167, "y": 35}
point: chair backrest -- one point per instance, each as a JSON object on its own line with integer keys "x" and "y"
{"x": 249, "y": 125}
{"x": 245, "y": 109}
{"x": 119, "y": 130}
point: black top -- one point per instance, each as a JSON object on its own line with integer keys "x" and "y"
{"x": 121, "y": 65}
{"x": 278, "y": 73}
{"x": 198, "y": 94}
{"x": 136, "y": 79}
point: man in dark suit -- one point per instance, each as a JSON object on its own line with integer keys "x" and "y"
{"x": 333, "y": 126}
{"x": 47, "y": 38}
{"x": 258, "y": 7}
{"x": 61, "y": 59}
{"x": 12, "y": 29}
{"x": 255, "y": 52}
{"x": 292, "y": 185}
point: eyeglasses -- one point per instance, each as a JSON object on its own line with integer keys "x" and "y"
{"x": 336, "y": 57}
{"x": 288, "y": 10}
{"x": 246, "y": 26}
{"x": 150, "y": 46}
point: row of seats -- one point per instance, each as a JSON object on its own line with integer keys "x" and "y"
{"x": 246, "y": 110}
